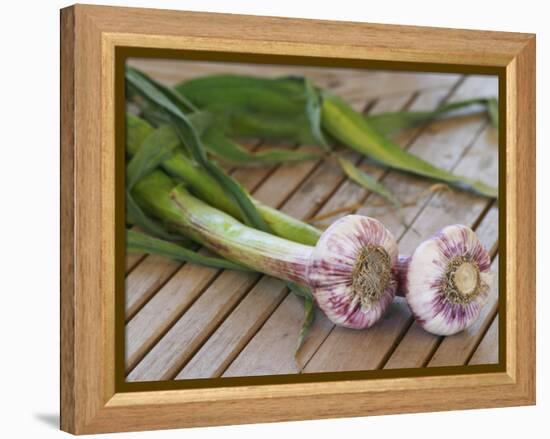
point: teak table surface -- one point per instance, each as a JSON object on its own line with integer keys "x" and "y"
{"x": 184, "y": 321}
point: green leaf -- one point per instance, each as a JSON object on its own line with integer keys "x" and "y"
{"x": 300, "y": 290}
{"x": 239, "y": 92}
{"x": 191, "y": 139}
{"x": 201, "y": 121}
{"x": 350, "y": 128}
{"x": 245, "y": 106}
{"x": 135, "y": 215}
{"x": 251, "y": 215}
{"x": 309, "y": 311}
{"x": 224, "y": 148}
{"x": 136, "y": 132}
{"x": 140, "y": 243}
{"x": 155, "y": 149}
{"x": 313, "y": 110}
{"x": 139, "y": 132}
{"x": 181, "y": 167}
{"x": 492, "y": 109}
{"x": 363, "y": 179}
{"x": 392, "y": 122}
{"x": 180, "y": 101}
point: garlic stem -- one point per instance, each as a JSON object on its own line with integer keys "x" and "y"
{"x": 350, "y": 270}
{"x": 401, "y": 268}
{"x": 228, "y": 237}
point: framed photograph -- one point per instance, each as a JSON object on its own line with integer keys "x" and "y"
{"x": 269, "y": 219}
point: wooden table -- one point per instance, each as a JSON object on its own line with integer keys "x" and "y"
{"x": 185, "y": 321}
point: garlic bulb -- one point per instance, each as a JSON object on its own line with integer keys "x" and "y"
{"x": 350, "y": 271}
{"x": 446, "y": 280}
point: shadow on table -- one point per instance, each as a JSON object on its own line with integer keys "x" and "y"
{"x": 50, "y": 419}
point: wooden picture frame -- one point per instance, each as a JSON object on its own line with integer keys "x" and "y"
{"x": 91, "y": 399}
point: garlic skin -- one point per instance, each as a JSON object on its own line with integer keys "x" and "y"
{"x": 447, "y": 280}
{"x": 351, "y": 271}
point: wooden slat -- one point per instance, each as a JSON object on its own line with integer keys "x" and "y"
{"x": 215, "y": 355}
{"x": 487, "y": 351}
{"x": 457, "y": 349}
{"x": 132, "y": 260}
{"x": 144, "y": 280}
{"x": 165, "y": 307}
{"x": 427, "y": 145}
{"x": 416, "y": 347}
{"x": 164, "y": 360}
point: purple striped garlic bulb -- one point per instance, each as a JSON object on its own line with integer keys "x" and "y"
{"x": 350, "y": 271}
{"x": 446, "y": 280}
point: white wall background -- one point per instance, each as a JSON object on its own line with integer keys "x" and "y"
{"x": 29, "y": 187}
